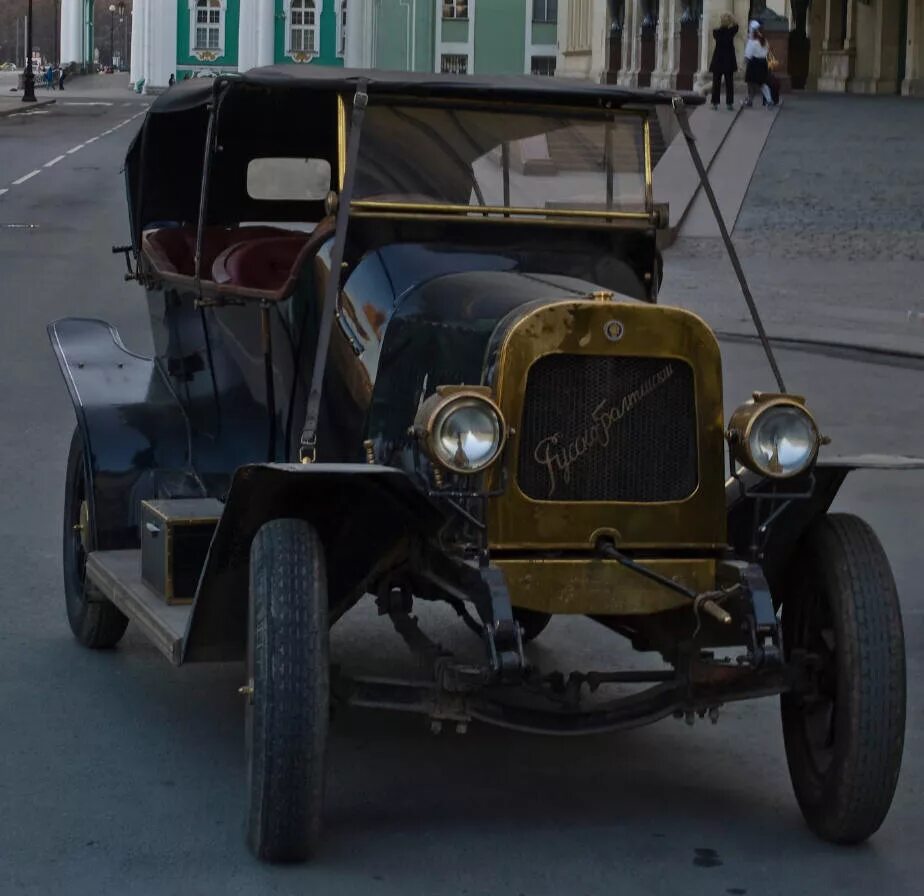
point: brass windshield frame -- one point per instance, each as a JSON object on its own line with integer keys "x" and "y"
{"x": 370, "y": 208}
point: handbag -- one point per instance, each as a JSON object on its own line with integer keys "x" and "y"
{"x": 772, "y": 62}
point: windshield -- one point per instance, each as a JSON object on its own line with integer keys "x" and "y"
{"x": 511, "y": 162}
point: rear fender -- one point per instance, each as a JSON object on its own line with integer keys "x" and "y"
{"x": 367, "y": 515}
{"x": 135, "y": 433}
{"x": 784, "y": 530}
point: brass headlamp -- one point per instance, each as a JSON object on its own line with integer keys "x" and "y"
{"x": 774, "y": 435}
{"x": 461, "y": 428}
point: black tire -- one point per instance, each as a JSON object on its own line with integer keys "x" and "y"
{"x": 533, "y": 622}
{"x": 288, "y": 711}
{"x": 95, "y": 623}
{"x": 844, "y": 742}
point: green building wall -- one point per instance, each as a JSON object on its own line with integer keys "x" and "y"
{"x": 228, "y": 59}
{"x": 500, "y": 38}
{"x": 399, "y": 25}
{"x": 327, "y": 36}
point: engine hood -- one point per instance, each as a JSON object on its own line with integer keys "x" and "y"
{"x": 440, "y": 334}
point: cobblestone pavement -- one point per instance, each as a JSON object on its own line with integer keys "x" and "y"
{"x": 831, "y": 232}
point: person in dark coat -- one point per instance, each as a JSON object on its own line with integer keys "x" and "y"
{"x": 724, "y": 63}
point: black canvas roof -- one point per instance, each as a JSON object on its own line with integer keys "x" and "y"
{"x": 290, "y": 110}
{"x": 516, "y": 88}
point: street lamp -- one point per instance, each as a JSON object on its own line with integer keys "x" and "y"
{"x": 28, "y": 78}
{"x": 112, "y": 10}
{"x": 122, "y": 52}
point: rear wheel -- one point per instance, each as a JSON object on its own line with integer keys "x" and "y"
{"x": 844, "y": 738}
{"x": 95, "y": 621}
{"x": 288, "y": 707}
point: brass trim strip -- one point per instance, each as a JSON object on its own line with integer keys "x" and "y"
{"x": 479, "y": 211}
{"x": 479, "y": 219}
{"x": 341, "y": 141}
{"x": 649, "y": 176}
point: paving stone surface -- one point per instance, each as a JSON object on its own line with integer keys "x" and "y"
{"x": 831, "y": 232}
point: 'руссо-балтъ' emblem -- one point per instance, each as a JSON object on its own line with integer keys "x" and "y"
{"x": 559, "y": 457}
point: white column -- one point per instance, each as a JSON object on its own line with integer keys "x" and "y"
{"x": 160, "y": 43}
{"x": 247, "y": 35}
{"x": 356, "y": 13}
{"x": 71, "y": 30}
{"x": 712, "y": 11}
{"x": 265, "y": 43}
{"x": 666, "y": 45}
{"x": 136, "y": 19}
{"x": 631, "y": 44}
{"x": 599, "y": 32}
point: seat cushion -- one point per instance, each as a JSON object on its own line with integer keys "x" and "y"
{"x": 259, "y": 263}
{"x": 270, "y": 265}
{"x": 172, "y": 250}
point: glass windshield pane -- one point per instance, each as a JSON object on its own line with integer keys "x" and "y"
{"x": 501, "y": 159}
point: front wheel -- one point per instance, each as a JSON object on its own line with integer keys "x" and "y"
{"x": 844, "y": 737}
{"x": 288, "y": 702}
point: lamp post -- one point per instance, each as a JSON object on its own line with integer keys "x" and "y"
{"x": 28, "y": 78}
{"x": 123, "y": 52}
{"x": 112, "y": 10}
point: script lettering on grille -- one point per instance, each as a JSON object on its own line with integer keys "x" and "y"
{"x": 559, "y": 458}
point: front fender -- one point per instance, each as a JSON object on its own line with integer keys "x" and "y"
{"x": 135, "y": 433}
{"x": 365, "y": 514}
{"x": 786, "y": 528}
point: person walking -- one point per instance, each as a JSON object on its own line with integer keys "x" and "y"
{"x": 757, "y": 69}
{"x": 61, "y": 78}
{"x": 724, "y": 63}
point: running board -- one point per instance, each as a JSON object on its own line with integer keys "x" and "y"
{"x": 117, "y": 575}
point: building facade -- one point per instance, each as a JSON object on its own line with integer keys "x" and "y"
{"x": 186, "y": 37}
{"x": 461, "y": 36}
{"x": 857, "y": 46}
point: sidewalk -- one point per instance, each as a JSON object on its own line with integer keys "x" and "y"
{"x": 830, "y": 233}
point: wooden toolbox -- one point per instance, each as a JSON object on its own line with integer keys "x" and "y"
{"x": 175, "y": 538}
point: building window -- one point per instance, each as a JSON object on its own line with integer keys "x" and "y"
{"x": 545, "y": 11}
{"x": 455, "y": 9}
{"x": 542, "y": 65}
{"x": 342, "y": 29}
{"x": 302, "y": 30}
{"x": 454, "y": 63}
{"x": 207, "y": 28}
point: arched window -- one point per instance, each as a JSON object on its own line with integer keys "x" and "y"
{"x": 208, "y": 25}
{"x": 207, "y": 28}
{"x": 303, "y": 28}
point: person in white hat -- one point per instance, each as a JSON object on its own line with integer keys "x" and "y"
{"x": 757, "y": 69}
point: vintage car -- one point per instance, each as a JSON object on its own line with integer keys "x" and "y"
{"x": 407, "y": 345}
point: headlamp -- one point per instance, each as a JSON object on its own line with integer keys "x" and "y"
{"x": 774, "y": 435}
{"x": 461, "y": 428}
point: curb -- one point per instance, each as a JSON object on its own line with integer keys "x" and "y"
{"x": 848, "y": 350}
{"x": 24, "y": 107}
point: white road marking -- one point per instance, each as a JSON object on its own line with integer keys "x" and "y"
{"x": 106, "y": 133}
{"x": 54, "y": 161}
{"x": 26, "y": 177}
{"x": 91, "y": 140}
{"x": 74, "y": 149}
{"x": 5, "y": 190}
{"x": 94, "y": 103}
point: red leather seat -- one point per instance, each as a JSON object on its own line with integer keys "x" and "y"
{"x": 172, "y": 250}
{"x": 269, "y": 265}
{"x": 259, "y": 264}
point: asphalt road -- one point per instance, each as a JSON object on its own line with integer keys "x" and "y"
{"x": 119, "y": 774}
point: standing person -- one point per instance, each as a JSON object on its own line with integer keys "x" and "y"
{"x": 49, "y": 78}
{"x": 61, "y": 79}
{"x": 757, "y": 69}
{"x": 724, "y": 63}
